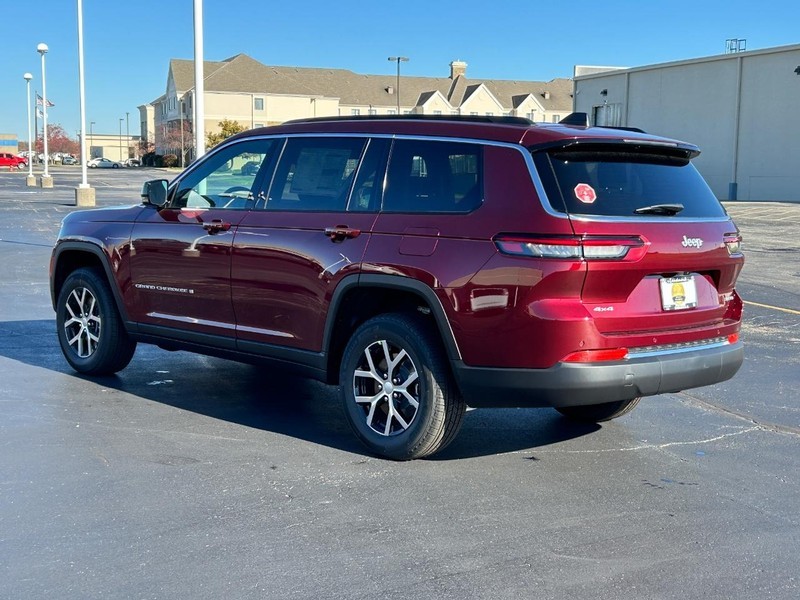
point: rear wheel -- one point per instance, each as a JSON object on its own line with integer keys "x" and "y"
{"x": 90, "y": 330}
{"x": 597, "y": 413}
{"x": 397, "y": 390}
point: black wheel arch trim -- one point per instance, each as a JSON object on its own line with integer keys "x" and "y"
{"x": 367, "y": 280}
{"x": 93, "y": 247}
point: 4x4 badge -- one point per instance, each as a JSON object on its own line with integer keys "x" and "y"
{"x": 692, "y": 242}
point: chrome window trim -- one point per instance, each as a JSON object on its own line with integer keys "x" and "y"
{"x": 526, "y": 155}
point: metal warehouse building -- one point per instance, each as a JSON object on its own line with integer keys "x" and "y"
{"x": 742, "y": 109}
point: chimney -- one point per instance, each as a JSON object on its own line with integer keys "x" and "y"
{"x": 458, "y": 68}
{"x": 546, "y": 95}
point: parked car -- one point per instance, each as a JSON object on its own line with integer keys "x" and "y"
{"x": 132, "y": 162}
{"x": 423, "y": 265}
{"x": 102, "y": 163}
{"x": 68, "y": 160}
{"x": 250, "y": 167}
{"x": 10, "y": 160}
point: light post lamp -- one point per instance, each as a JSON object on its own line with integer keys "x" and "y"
{"x": 46, "y": 180}
{"x": 84, "y": 194}
{"x": 30, "y": 180}
{"x": 398, "y": 60}
{"x": 120, "y": 139}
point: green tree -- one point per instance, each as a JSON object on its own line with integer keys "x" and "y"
{"x": 227, "y": 128}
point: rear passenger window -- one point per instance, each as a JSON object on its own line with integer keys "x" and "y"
{"x": 434, "y": 176}
{"x": 315, "y": 174}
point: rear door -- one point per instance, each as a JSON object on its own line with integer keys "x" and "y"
{"x": 309, "y": 233}
{"x": 662, "y": 256}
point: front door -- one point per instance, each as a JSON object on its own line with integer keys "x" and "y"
{"x": 181, "y": 253}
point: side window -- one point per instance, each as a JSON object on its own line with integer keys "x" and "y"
{"x": 315, "y": 174}
{"x": 368, "y": 189}
{"x": 227, "y": 178}
{"x": 434, "y": 176}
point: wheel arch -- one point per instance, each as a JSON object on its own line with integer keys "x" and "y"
{"x": 69, "y": 256}
{"x": 358, "y": 298}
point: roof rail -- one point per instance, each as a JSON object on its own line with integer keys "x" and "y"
{"x": 415, "y": 117}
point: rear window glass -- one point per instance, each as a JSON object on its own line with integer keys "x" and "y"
{"x": 606, "y": 182}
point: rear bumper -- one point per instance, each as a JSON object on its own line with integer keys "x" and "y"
{"x": 580, "y": 384}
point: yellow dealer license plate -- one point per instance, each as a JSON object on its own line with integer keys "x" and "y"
{"x": 678, "y": 293}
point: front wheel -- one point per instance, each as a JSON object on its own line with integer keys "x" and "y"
{"x": 597, "y": 413}
{"x": 397, "y": 389}
{"x": 90, "y": 330}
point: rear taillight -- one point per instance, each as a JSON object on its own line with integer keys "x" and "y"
{"x": 591, "y": 356}
{"x": 733, "y": 242}
{"x": 572, "y": 247}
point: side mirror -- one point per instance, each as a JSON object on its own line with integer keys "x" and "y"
{"x": 155, "y": 192}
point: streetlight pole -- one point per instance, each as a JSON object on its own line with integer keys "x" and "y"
{"x": 127, "y": 135}
{"x": 46, "y": 180}
{"x": 120, "y": 139}
{"x": 199, "y": 87}
{"x": 31, "y": 180}
{"x": 398, "y": 60}
{"x": 84, "y": 194}
{"x": 91, "y": 132}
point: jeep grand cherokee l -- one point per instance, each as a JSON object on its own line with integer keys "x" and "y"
{"x": 423, "y": 265}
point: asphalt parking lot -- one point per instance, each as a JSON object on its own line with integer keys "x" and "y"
{"x": 193, "y": 477}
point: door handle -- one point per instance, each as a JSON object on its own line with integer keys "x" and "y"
{"x": 341, "y": 233}
{"x": 216, "y": 225}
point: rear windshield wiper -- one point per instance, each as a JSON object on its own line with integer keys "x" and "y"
{"x": 660, "y": 209}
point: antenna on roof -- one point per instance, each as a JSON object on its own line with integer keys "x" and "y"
{"x": 734, "y": 45}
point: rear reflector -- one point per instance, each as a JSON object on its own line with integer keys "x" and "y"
{"x": 590, "y": 356}
{"x": 572, "y": 247}
{"x": 733, "y": 338}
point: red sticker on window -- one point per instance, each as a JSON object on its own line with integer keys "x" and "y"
{"x": 585, "y": 193}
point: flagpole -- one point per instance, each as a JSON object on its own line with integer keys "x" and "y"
{"x": 35, "y": 125}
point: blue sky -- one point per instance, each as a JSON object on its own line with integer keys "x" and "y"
{"x": 128, "y": 44}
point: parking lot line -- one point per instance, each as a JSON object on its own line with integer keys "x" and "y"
{"x": 786, "y": 310}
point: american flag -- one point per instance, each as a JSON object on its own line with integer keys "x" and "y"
{"x": 40, "y": 101}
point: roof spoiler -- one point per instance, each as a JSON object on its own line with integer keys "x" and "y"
{"x": 580, "y": 119}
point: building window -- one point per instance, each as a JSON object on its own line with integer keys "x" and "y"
{"x": 355, "y": 111}
{"x": 490, "y": 114}
{"x": 453, "y": 112}
{"x": 372, "y": 111}
{"x": 437, "y": 112}
{"x": 406, "y": 112}
{"x": 506, "y": 113}
{"x": 258, "y": 104}
{"x": 391, "y": 111}
{"x": 258, "y": 125}
{"x": 473, "y": 114}
{"x": 556, "y": 118}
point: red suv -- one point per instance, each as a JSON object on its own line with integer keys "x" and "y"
{"x": 8, "y": 161}
{"x": 422, "y": 264}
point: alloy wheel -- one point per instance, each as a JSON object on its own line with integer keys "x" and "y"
{"x": 82, "y": 328}
{"x": 386, "y": 386}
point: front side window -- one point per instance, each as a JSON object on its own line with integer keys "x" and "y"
{"x": 315, "y": 174}
{"x": 226, "y": 179}
{"x": 433, "y": 176}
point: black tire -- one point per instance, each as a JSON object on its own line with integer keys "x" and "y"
{"x": 597, "y": 413}
{"x": 115, "y": 166}
{"x": 90, "y": 331}
{"x": 408, "y": 364}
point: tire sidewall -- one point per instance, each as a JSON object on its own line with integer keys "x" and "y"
{"x": 402, "y": 445}
{"x": 84, "y": 278}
